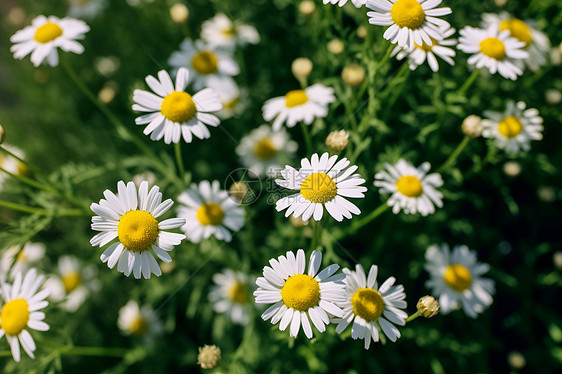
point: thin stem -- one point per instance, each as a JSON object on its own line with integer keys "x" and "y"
{"x": 43, "y": 212}
{"x": 453, "y": 156}
{"x": 14, "y": 156}
{"x": 27, "y": 180}
{"x": 365, "y": 220}
{"x": 471, "y": 78}
{"x": 179, "y": 159}
{"x": 413, "y": 317}
{"x": 307, "y": 139}
{"x": 93, "y": 351}
{"x": 316, "y": 230}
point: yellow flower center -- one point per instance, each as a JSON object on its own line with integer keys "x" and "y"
{"x": 228, "y": 32}
{"x": 238, "y": 293}
{"x": 407, "y": 13}
{"x": 265, "y": 149}
{"x": 295, "y": 98}
{"x": 301, "y": 292}
{"x": 21, "y": 257}
{"x": 319, "y": 188}
{"x": 205, "y": 62}
{"x": 409, "y": 186}
{"x": 71, "y": 281}
{"x": 231, "y": 104}
{"x": 367, "y": 304}
{"x": 14, "y": 316}
{"x": 493, "y": 47}
{"x": 47, "y": 33}
{"x": 210, "y": 214}
{"x": 517, "y": 29}
{"x": 457, "y": 277}
{"x": 178, "y": 107}
{"x": 510, "y": 127}
{"x": 138, "y": 326}
{"x": 137, "y": 230}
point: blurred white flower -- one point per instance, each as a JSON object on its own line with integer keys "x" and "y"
{"x": 232, "y": 295}
{"x": 15, "y": 260}
{"x": 140, "y": 322}
{"x": 220, "y": 31}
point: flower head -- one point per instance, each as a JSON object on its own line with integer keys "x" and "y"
{"x": 209, "y": 356}
{"x": 231, "y": 295}
{"x": 140, "y": 322}
{"x": 220, "y": 31}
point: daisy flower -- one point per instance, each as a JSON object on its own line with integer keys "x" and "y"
{"x": 173, "y": 113}
{"x": 410, "y": 21}
{"x": 357, "y": 3}
{"x": 299, "y": 105}
{"x": 208, "y": 210}
{"x": 204, "y": 61}
{"x": 20, "y": 311}
{"x": 536, "y": 42}
{"x": 413, "y": 190}
{"x": 298, "y": 296}
{"x": 11, "y": 164}
{"x": 424, "y": 52}
{"x": 45, "y": 35}
{"x": 263, "y": 150}
{"x": 15, "y": 260}
{"x": 370, "y": 307}
{"x": 232, "y": 98}
{"x": 496, "y": 50}
{"x": 322, "y": 183}
{"x": 140, "y": 322}
{"x": 456, "y": 278}
{"x": 131, "y": 217}
{"x": 220, "y": 31}
{"x": 514, "y": 129}
{"x": 231, "y": 295}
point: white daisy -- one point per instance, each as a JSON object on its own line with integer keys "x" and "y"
{"x": 131, "y": 217}
{"x": 232, "y": 98}
{"x": 410, "y": 21}
{"x": 231, "y": 294}
{"x": 140, "y": 322}
{"x": 456, "y": 278}
{"x": 11, "y": 164}
{"x": 496, "y": 50}
{"x": 86, "y": 9}
{"x": 263, "y": 150}
{"x": 20, "y": 311}
{"x": 173, "y": 112}
{"x": 413, "y": 190}
{"x": 515, "y": 128}
{"x": 299, "y": 105}
{"x": 15, "y": 260}
{"x": 536, "y": 42}
{"x": 420, "y": 53}
{"x": 220, "y": 31}
{"x": 203, "y": 61}
{"x": 298, "y": 296}
{"x": 208, "y": 210}
{"x": 357, "y": 3}
{"x": 45, "y": 35}
{"x": 370, "y": 307}
{"x": 322, "y": 183}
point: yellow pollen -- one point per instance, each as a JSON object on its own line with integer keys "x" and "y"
{"x": 238, "y": 293}
{"x": 301, "y": 292}
{"x": 367, "y": 304}
{"x": 517, "y": 29}
{"x": 137, "y": 230}
{"x": 319, "y": 188}
{"x": 493, "y": 47}
{"x": 47, "y": 33}
{"x": 407, "y": 13}
{"x": 228, "y": 32}
{"x": 210, "y": 214}
{"x": 295, "y": 98}
{"x": 205, "y": 63}
{"x": 14, "y": 316}
{"x": 510, "y": 127}
{"x": 21, "y": 256}
{"x": 457, "y": 277}
{"x": 71, "y": 281}
{"x": 265, "y": 149}
{"x": 409, "y": 186}
{"x": 178, "y": 107}
{"x": 139, "y": 326}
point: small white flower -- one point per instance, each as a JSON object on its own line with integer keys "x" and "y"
{"x": 233, "y": 98}
{"x": 86, "y": 9}
{"x": 11, "y": 164}
{"x": 231, "y": 295}
{"x": 220, "y": 31}
{"x": 15, "y": 260}
{"x": 357, "y": 3}
{"x": 413, "y": 190}
{"x": 45, "y": 35}
{"x": 456, "y": 278}
{"x": 141, "y": 322}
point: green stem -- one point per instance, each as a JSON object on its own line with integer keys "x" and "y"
{"x": 179, "y": 159}
{"x": 413, "y": 317}
{"x": 365, "y": 220}
{"x": 471, "y": 78}
{"x": 93, "y": 351}
{"x": 307, "y": 139}
{"x": 43, "y": 212}
{"x": 453, "y": 156}
{"x": 14, "y": 156}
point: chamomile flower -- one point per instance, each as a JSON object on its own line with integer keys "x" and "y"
{"x": 263, "y": 150}
{"x": 299, "y": 105}
{"x": 456, "y": 278}
{"x": 322, "y": 183}
{"x": 514, "y": 129}
{"x": 410, "y": 21}
{"x": 131, "y": 217}
{"x": 11, "y": 164}
{"x": 220, "y": 31}
{"x": 536, "y": 42}
{"x": 412, "y": 189}
{"x": 424, "y": 52}
{"x": 357, "y": 3}
{"x": 370, "y": 307}
{"x": 300, "y": 296}
{"x": 86, "y": 9}
{"x": 140, "y": 322}
{"x": 232, "y": 97}
{"x": 203, "y": 61}
{"x": 496, "y": 50}
{"x": 18, "y": 259}
{"x": 208, "y": 210}
{"x": 172, "y": 112}
{"x": 20, "y": 311}
{"x": 231, "y": 295}
{"x": 45, "y": 35}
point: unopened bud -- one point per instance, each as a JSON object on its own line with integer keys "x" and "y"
{"x": 512, "y": 168}
{"x": 297, "y": 222}
{"x": 238, "y": 191}
{"x": 301, "y": 68}
{"x": 335, "y": 46}
{"x": 2, "y": 134}
{"x": 353, "y": 75}
{"x": 17, "y": 16}
{"x": 337, "y": 140}
{"x": 516, "y": 360}
{"x": 472, "y": 126}
{"x": 209, "y": 356}
{"x": 427, "y": 306}
{"x": 557, "y": 259}
{"x": 107, "y": 93}
{"x": 179, "y": 13}
{"x": 553, "y": 97}
{"x": 362, "y": 32}
{"x": 307, "y": 7}
{"x": 546, "y": 194}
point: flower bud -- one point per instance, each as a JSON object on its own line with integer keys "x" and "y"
{"x": 179, "y": 13}
{"x": 553, "y": 97}
{"x": 238, "y": 191}
{"x": 2, "y": 134}
{"x": 512, "y": 168}
{"x": 427, "y": 306}
{"x": 547, "y": 194}
{"x": 301, "y": 68}
{"x": 335, "y": 46}
{"x": 307, "y": 7}
{"x": 107, "y": 93}
{"x": 557, "y": 259}
{"x": 209, "y": 356}
{"x": 472, "y": 126}
{"x": 337, "y": 140}
{"x": 516, "y": 360}
{"x": 353, "y": 75}
{"x": 362, "y": 32}
{"x": 297, "y": 222}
